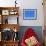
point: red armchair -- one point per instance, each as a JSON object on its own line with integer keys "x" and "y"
{"x": 28, "y": 34}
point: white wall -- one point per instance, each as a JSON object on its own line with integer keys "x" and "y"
{"x": 32, "y": 4}
{"x": 7, "y": 3}
{"x": 27, "y": 4}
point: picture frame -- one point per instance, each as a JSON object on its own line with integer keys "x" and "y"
{"x": 12, "y": 12}
{"x": 29, "y": 14}
{"x": 5, "y": 12}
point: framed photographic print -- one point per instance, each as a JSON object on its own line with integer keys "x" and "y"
{"x": 12, "y": 12}
{"x": 5, "y": 12}
{"x": 29, "y": 14}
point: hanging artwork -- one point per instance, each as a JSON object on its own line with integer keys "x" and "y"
{"x": 29, "y": 14}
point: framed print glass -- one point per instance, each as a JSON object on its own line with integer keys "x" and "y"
{"x": 11, "y": 12}
{"x": 5, "y": 12}
{"x": 29, "y": 14}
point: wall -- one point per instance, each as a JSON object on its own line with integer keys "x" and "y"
{"x": 27, "y": 4}
{"x": 32, "y": 4}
